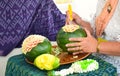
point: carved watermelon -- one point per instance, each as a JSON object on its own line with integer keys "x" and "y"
{"x": 35, "y": 45}
{"x": 69, "y": 31}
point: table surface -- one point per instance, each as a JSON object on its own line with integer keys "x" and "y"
{"x": 17, "y": 66}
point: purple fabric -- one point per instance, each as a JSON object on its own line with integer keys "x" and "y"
{"x": 48, "y": 20}
{"x": 20, "y": 18}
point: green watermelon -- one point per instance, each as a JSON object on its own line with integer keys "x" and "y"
{"x": 40, "y": 48}
{"x": 63, "y": 36}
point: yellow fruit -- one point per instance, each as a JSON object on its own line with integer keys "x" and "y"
{"x": 47, "y": 62}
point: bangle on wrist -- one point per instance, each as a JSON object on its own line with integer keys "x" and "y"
{"x": 99, "y": 41}
{"x": 98, "y": 49}
{"x": 98, "y": 45}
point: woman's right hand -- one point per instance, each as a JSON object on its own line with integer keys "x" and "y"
{"x": 76, "y": 19}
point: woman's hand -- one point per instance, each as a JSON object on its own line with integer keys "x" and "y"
{"x": 76, "y": 19}
{"x": 83, "y": 45}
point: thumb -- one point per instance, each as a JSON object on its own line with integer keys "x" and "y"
{"x": 87, "y": 32}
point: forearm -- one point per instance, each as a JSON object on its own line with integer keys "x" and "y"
{"x": 110, "y": 48}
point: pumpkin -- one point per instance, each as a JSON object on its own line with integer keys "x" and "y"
{"x": 66, "y": 32}
{"x": 35, "y": 45}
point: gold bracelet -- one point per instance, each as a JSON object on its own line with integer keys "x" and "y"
{"x": 99, "y": 41}
{"x": 98, "y": 50}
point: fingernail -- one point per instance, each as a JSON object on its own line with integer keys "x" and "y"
{"x": 69, "y": 38}
{"x": 68, "y": 49}
{"x": 66, "y": 45}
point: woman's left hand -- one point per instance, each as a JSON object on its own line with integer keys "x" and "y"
{"x": 83, "y": 45}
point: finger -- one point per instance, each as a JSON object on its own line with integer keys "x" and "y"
{"x": 73, "y": 44}
{"x": 67, "y": 21}
{"x": 67, "y": 13}
{"x": 76, "y": 39}
{"x": 73, "y": 49}
{"x": 87, "y": 32}
{"x": 78, "y": 52}
{"x": 67, "y": 18}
